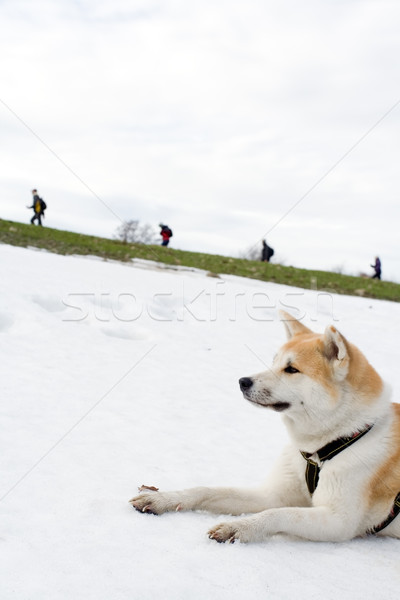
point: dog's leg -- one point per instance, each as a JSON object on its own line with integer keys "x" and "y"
{"x": 319, "y": 524}
{"x": 283, "y": 488}
{"x": 233, "y": 501}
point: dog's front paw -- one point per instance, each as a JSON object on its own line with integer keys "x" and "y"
{"x": 244, "y": 530}
{"x": 144, "y": 503}
{"x": 154, "y": 502}
{"x": 224, "y": 532}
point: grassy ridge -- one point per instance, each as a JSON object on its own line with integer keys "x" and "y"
{"x": 66, "y": 242}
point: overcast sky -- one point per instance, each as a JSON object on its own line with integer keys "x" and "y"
{"x": 231, "y": 120}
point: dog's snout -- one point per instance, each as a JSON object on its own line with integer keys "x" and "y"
{"x": 245, "y": 383}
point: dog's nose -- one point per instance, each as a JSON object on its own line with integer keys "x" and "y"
{"x": 245, "y": 383}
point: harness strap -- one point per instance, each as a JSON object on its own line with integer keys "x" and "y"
{"x": 326, "y": 453}
{"x": 312, "y": 473}
{"x": 392, "y": 515}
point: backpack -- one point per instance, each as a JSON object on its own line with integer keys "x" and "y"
{"x": 271, "y": 252}
{"x": 39, "y": 205}
{"x": 169, "y": 231}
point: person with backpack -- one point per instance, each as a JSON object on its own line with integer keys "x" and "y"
{"x": 39, "y": 206}
{"x": 377, "y": 268}
{"x": 267, "y": 252}
{"x": 166, "y": 234}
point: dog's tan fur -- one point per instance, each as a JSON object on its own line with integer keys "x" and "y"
{"x": 387, "y": 478}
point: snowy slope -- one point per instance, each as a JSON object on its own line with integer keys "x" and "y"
{"x": 118, "y": 375}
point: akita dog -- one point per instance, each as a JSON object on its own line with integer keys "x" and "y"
{"x": 340, "y": 477}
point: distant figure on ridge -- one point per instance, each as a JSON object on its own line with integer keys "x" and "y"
{"x": 165, "y": 233}
{"x": 267, "y": 252}
{"x": 377, "y": 268}
{"x": 39, "y": 206}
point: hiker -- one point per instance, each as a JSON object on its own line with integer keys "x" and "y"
{"x": 377, "y": 268}
{"x": 267, "y": 252}
{"x": 39, "y": 206}
{"x": 165, "y": 233}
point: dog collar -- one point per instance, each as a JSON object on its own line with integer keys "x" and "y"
{"x": 326, "y": 453}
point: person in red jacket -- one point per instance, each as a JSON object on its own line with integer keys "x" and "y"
{"x": 166, "y": 234}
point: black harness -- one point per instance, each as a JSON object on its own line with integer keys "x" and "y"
{"x": 326, "y": 453}
{"x": 330, "y": 451}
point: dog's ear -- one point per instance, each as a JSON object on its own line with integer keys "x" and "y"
{"x": 336, "y": 351}
{"x": 292, "y": 325}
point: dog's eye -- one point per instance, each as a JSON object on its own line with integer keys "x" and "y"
{"x": 291, "y": 369}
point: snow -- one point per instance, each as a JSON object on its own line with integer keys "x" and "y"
{"x": 117, "y": 375}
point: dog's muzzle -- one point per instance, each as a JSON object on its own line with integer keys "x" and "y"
{"x": 262, "y": 398}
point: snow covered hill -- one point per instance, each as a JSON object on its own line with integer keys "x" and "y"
{"x": 116, "y": 375}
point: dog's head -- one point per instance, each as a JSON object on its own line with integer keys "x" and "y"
{"x": 313, "y": 374}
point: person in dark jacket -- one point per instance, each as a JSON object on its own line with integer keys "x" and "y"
{"x": 267, "y": 252}
{"x": 377, "y": 268}
{"x": 165, "y": 233}
{"x": 38, "y": 208}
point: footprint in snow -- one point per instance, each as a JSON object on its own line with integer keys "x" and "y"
{"x": 6, "y": 321}
{"x": 49, "y": 303}
{"x": 126, "y": 333}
